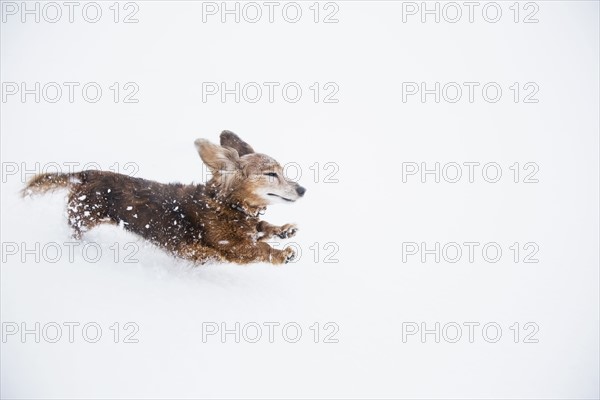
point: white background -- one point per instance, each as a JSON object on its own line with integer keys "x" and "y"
{"x": 369, "y": 213}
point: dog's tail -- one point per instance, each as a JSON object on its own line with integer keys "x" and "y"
{"x": 43, "y": 183}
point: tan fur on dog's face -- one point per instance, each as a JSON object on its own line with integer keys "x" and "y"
{"x": 253, "y": 178}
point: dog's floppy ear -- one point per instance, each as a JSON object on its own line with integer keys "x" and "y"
{"x": 230, "y": 139}
{"x": 217, "y": 158}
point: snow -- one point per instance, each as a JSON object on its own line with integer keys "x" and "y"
{"x": 369, "y": 293}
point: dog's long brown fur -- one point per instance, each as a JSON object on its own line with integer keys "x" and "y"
{"x": 218, "y": 221}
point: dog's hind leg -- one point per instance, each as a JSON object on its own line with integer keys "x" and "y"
{"x": 84, "y": 212}
{"x": 197, "y": 253}
{"x": 79, "y": 217}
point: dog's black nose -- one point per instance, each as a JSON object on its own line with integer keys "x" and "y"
{"x": 300, "y": 190}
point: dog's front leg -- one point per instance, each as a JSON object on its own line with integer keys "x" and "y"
{"x": 281, "y": 256}
{"x": 267, "y": 231}
{"x": 259, "y": 252}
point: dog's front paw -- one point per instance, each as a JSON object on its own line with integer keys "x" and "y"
{"x": 288, "y": 231}
{"x": 290, "y": 255}
{"x": 284, "y": 256}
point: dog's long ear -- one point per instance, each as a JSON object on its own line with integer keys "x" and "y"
{"x": 230, "y": 139}
{"x": 217, "y": 158}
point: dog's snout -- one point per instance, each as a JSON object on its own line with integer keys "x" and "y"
{"x": 300, "y": 190}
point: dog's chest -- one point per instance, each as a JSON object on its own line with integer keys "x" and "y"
{"x": 217, "y": 222}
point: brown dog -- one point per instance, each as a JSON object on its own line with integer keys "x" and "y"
{"x": 217, "y": 221}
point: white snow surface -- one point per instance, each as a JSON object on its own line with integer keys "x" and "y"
{"x": 367, "y": 215}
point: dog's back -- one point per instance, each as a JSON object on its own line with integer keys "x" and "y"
{"x": 156, "y": 211}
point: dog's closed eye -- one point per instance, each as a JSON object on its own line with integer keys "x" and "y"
{"x": 273, "y": 174}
